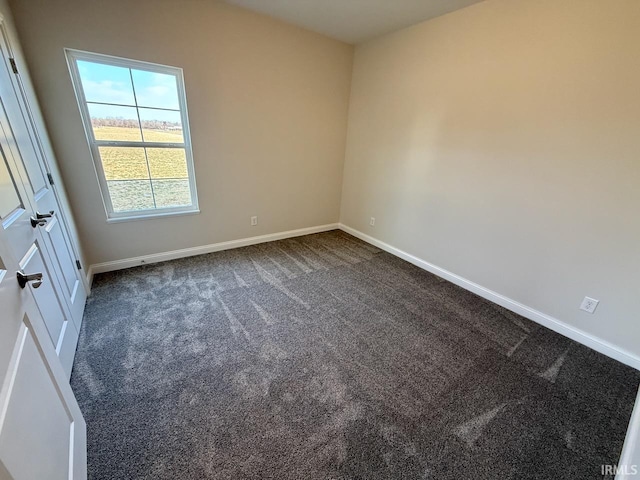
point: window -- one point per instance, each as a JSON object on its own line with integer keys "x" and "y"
{"x": 135, "y": 117}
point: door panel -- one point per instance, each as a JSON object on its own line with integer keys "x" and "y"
{"x": 10, "y": 330}
{"x": 26, "y": 243}
{"x": 9, "y": 199}
{"x": 66, "y": 348}
{"x": 53, "y": 315}
{"x": 66, "y": 264}
{"x": 42, "y": 432}
{"x": 38, "y": 418}
{"x": 26, "y": 143}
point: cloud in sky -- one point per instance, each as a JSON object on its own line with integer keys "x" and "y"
{"x": 155, "y": 89}
{"x": 111, "y": 84}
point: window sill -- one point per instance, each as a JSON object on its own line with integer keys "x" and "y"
{"x": 151, "y": 216}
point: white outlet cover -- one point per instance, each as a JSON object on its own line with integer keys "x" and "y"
{"x": 372, "y": 222}
{"x": 589, "y": 304}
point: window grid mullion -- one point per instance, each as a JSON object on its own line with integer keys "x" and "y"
{"x": 146, "y": 157}
{"x": 132, "y": 106}
{"x": 135, "y": 100}
{"x": 127, "y": 143}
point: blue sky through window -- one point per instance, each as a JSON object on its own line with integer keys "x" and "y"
{"x": 111, "y": 84}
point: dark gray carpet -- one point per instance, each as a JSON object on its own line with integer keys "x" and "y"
{"x": 322, "y": 357}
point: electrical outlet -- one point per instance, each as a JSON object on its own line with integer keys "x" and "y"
{"x": 589, "y": 304}
{"x": 372, "y": 222}
{"x": 254, "y": 221}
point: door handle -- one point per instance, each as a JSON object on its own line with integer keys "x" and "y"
{"x": 23, "y": 279}
{"x": 38, "y": 222}
{"x": 40, "y": 216}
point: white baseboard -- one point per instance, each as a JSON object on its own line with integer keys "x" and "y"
{"x": 214, "y": 247}
{"x": 552, "y": 323}
{"x": 631, "y": 450}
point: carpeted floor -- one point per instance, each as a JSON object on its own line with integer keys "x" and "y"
{"x": 322, "y": 357}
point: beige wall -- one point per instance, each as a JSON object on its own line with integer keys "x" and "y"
{"x": 502, "y": 143}
{"x": 267, "y": 105}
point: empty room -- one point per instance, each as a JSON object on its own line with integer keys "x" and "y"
{"x": 319, "y": 239}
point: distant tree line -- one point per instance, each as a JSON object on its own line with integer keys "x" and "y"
{"x": 130, "y": 123}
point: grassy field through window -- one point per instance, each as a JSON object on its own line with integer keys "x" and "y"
{"x": 142, "y": 177}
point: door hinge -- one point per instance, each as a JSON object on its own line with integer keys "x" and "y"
{"x": 14, "y": 67}
{"x": 50, "y": 177}
{"x": 78, "y": 264}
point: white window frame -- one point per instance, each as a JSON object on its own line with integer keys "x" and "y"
{"x": 72, "y": 57}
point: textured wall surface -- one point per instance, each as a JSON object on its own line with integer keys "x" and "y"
{"x": 267, "y": 107}
{"x": 500, "y": 142}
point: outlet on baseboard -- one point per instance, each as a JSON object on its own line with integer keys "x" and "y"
{"x": 254, "y": 221}
{"x": 372, "y": 222}
{"x": 589, "y": 304}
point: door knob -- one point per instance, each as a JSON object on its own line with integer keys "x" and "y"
{"x": 40, "y": 216}
{"x": 23, "y": 279}
{"x": 37, "y": 222}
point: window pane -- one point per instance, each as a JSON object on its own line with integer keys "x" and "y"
{"x": 161, "y": 125}
{"x": 106, "y": 83}
{"x": 155, "y": 89}
{"x": 135, "y": 115}
{"x": 128, "y": 195}
{"x": 114, "y": 123}
{"x": 167, "y": 162}
{"x": 172, "y": 193}
{"x": 124, "y": 163}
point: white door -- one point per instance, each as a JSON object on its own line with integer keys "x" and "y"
{"x": 42, "y": 432}
{"x": 27, "y": 243}
{"x": 62, "y": 297}
{"x": 55, "y": 235}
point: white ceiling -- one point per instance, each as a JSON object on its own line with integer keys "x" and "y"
{"x": 353, "y": 21}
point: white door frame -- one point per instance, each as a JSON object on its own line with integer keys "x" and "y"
{"x": 629, "y": 463}
{"x": 31, "y": 111}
